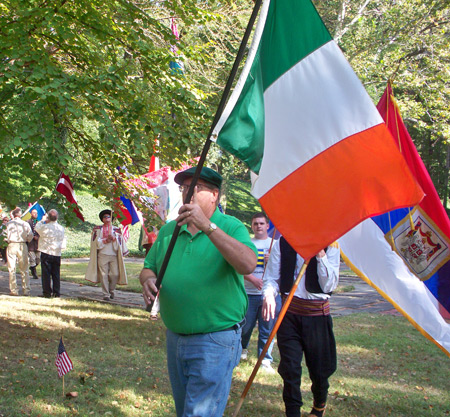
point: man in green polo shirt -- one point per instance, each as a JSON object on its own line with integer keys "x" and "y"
{"x": 203, "y": 299}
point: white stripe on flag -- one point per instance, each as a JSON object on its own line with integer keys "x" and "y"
{"x": 66, "y": 184}
{"x": 64, "y": 364}
{"x": 329, "y": 105}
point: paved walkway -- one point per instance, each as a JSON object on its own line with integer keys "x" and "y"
{"x": 362, "y": 298}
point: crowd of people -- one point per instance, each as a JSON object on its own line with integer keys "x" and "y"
{"x": 219, "y": 283}
{"x": 26, "y": 244}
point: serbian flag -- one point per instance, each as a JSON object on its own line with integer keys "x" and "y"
{"x": 65, "y": 187}
{"x": 129, "y": 211}
{"x": 413, "y": 244}
{"x": 301, "y": 120}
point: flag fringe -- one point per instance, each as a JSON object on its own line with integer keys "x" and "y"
{"x": 390, "y": 300}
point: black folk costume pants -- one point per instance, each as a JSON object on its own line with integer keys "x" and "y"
{"x": 314, "y": 337}
{"x": 50, "y": 267}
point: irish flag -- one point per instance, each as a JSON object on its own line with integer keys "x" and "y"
{"x": 301, "y": 120}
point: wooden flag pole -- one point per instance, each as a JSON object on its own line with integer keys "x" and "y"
{"x": 63, "y": 384}
{"x": 271, "y": 336}
{"x": 207, "y": 145}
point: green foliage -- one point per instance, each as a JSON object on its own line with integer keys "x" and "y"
{"x": 408, "y": 42}
{"x": 240, "y": 203}
{"x": 86, "y": 86}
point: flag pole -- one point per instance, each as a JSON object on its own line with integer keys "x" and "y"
{"x": 57, "y": 182}
{"x": 271, "y": 336}
{"x": 62, "y": 335}
{"x": 207, "y": 145}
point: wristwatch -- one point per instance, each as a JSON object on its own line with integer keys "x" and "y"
{"x": 211, "y": 229}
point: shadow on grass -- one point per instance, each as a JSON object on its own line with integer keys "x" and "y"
{"x": 119, "y": 362}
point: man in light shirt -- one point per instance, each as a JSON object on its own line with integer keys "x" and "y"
{"x": 18, "y": 234}
{"x": 253, "y": 287}
{"x": 307, "y": 327}
{"x": 51, "y": 243}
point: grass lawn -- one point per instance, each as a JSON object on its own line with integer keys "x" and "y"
{"x": 385, "y": 367}
{"x": 74, "y": 272}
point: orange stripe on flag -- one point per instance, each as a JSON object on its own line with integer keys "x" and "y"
{"x": 366, "y": 170}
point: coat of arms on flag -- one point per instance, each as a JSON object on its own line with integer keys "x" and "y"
{"x": 422, "y": 248}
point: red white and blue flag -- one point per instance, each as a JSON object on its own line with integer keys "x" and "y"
{"x": 63, "y": 362}
{"x": 405, "y": 253}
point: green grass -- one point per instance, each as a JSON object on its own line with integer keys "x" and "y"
{"x": 75, "y": 272}
{"x": 385, "y": 367}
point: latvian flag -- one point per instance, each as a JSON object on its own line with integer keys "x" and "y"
{"x": 65, "y": 187}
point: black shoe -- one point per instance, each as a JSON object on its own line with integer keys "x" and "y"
{"x": 106, "y": 298}
{"x": 111, "y": 296}
{"x": 34, "y": 274}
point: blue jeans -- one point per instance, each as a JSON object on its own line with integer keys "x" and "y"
{"x": 200, "y": 370}
{"x": 254, "y": 314}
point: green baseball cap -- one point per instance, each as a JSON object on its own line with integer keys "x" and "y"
{"x": 207, "y": 174}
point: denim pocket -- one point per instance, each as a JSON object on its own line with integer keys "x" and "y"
{"x": 226, "y": 338}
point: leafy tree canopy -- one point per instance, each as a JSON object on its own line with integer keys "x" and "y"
{"x": 87, "y": 87}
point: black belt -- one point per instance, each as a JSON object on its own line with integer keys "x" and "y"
{"x": 236, "y": 326}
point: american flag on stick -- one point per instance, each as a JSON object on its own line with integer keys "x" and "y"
{"x": 63, "y": 362}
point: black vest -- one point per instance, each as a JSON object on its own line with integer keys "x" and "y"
{"x": 287, "y": 269}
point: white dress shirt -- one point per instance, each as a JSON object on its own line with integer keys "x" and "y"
{"x": 51, "y": 238}
{"x": 327, "y": 270}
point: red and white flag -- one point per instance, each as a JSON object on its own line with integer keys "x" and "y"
{"x": 63, "y": 362}
{"x": 65, "y": 187}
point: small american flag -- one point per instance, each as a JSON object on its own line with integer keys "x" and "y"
{"x": 63, "y": 362}
{"x": 126, "y": 233}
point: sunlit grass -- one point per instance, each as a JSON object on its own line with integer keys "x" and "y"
{"x": 385, "y": 367}
{"x": 75, "y": 272}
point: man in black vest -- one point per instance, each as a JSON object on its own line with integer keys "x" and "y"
{"x": 307, "y": 327}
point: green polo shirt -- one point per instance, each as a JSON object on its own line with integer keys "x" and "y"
{"x": 201, "y": 292}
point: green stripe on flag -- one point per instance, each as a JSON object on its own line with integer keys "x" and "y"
{"x": 243, "y": 133}
{"x": 292, "y": 31}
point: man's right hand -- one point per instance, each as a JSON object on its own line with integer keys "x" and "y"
{"x": 257, "y": 282}
{"x": 147, "y": 279}
{"x": 148, "y": 289}
{"x": 269, "y": 307}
